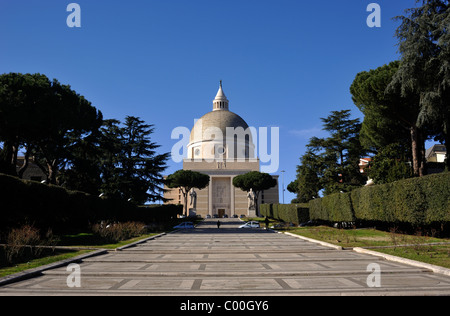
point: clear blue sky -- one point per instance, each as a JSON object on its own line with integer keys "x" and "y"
{"x": 284, "y": 63}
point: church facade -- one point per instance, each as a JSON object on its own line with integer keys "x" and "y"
{"x": 222, "y": 147}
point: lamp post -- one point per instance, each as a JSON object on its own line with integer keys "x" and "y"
{"x": 282, "y": 181}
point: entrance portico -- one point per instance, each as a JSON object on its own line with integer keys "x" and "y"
{"x": 221, "y": 196}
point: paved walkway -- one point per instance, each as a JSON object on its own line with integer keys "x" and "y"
{"x": 231, "y": 261}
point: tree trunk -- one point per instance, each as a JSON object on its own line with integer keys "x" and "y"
{"x": 15, "y": 148}
{"x": 256, "y": 203}
{"x": 447, "y": 147}
{"x": 52, "y": 171}
{"x": 50, "y": 174}
{"x": 185, "y": 194}
{"x": 415, "y": 151}
{"x": 13, "y": 157}
{"x": 423, "y": 161}
{"x": 7, "y": 157}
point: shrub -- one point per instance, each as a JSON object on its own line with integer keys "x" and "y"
{"x": 116, "y": 232}
{"x": 339, "y": 207}
{"x": 412, "y": 202}
{"x": 23, "y": 243}
{"x": 49, "y": 206}
{"x": 292, "y": 213}
{"x": 417, "y": 201}
{"x": 332, "y": 208}
{"x": 317, "y": 212}
{"x": 157, "y": 213}
{"x": 266, "y": 210}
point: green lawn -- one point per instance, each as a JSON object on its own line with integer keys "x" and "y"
{"x": 433, "y": 254}
{"x": 58, "y": 256}
{"x": 77, "y": 242}
{"x": 90, "y": 240}
{"x": 366, "y": 237}
{"x": 420, "y": 248}
{"x": 81, "y": 240}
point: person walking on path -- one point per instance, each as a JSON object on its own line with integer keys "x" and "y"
{"x": 267, "y": 222}
{"x": 218, "y": 224}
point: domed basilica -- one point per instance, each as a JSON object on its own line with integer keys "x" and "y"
{"x": 221, "y": 146}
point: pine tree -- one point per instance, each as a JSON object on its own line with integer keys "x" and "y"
{"x": 425, "y": 64}
{"x": 131, "y": 168}
{"x": 332, "y": 164}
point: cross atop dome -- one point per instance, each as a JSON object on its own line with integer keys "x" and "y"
{"x": 220, "y": 102}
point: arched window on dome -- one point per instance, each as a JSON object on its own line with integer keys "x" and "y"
{"x": 247, "y": 149}
{"x": 236, "y": 154}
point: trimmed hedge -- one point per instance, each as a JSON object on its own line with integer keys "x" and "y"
{"x": 292, "y": 213}
{"x": 155, "y": 213}
{"x": 332, "y": 208}
{"x": 415, "y": 202}
{"x": 29, "y": 202}
{"x": 266, "y": 210}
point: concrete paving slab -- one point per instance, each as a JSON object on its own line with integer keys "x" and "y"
{"x": 230, "y": 261}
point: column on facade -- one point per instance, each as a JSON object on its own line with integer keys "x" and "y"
{"x": 232, "y": 202}
{"x": 210, "y": 211}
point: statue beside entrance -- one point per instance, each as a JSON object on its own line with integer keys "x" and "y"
{"x": 193, "y": 208}
{"x": 251, "y": 203}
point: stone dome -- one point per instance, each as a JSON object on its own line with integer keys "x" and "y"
{"x": 216, "y": 119}
{"x": 209, "y": 139}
